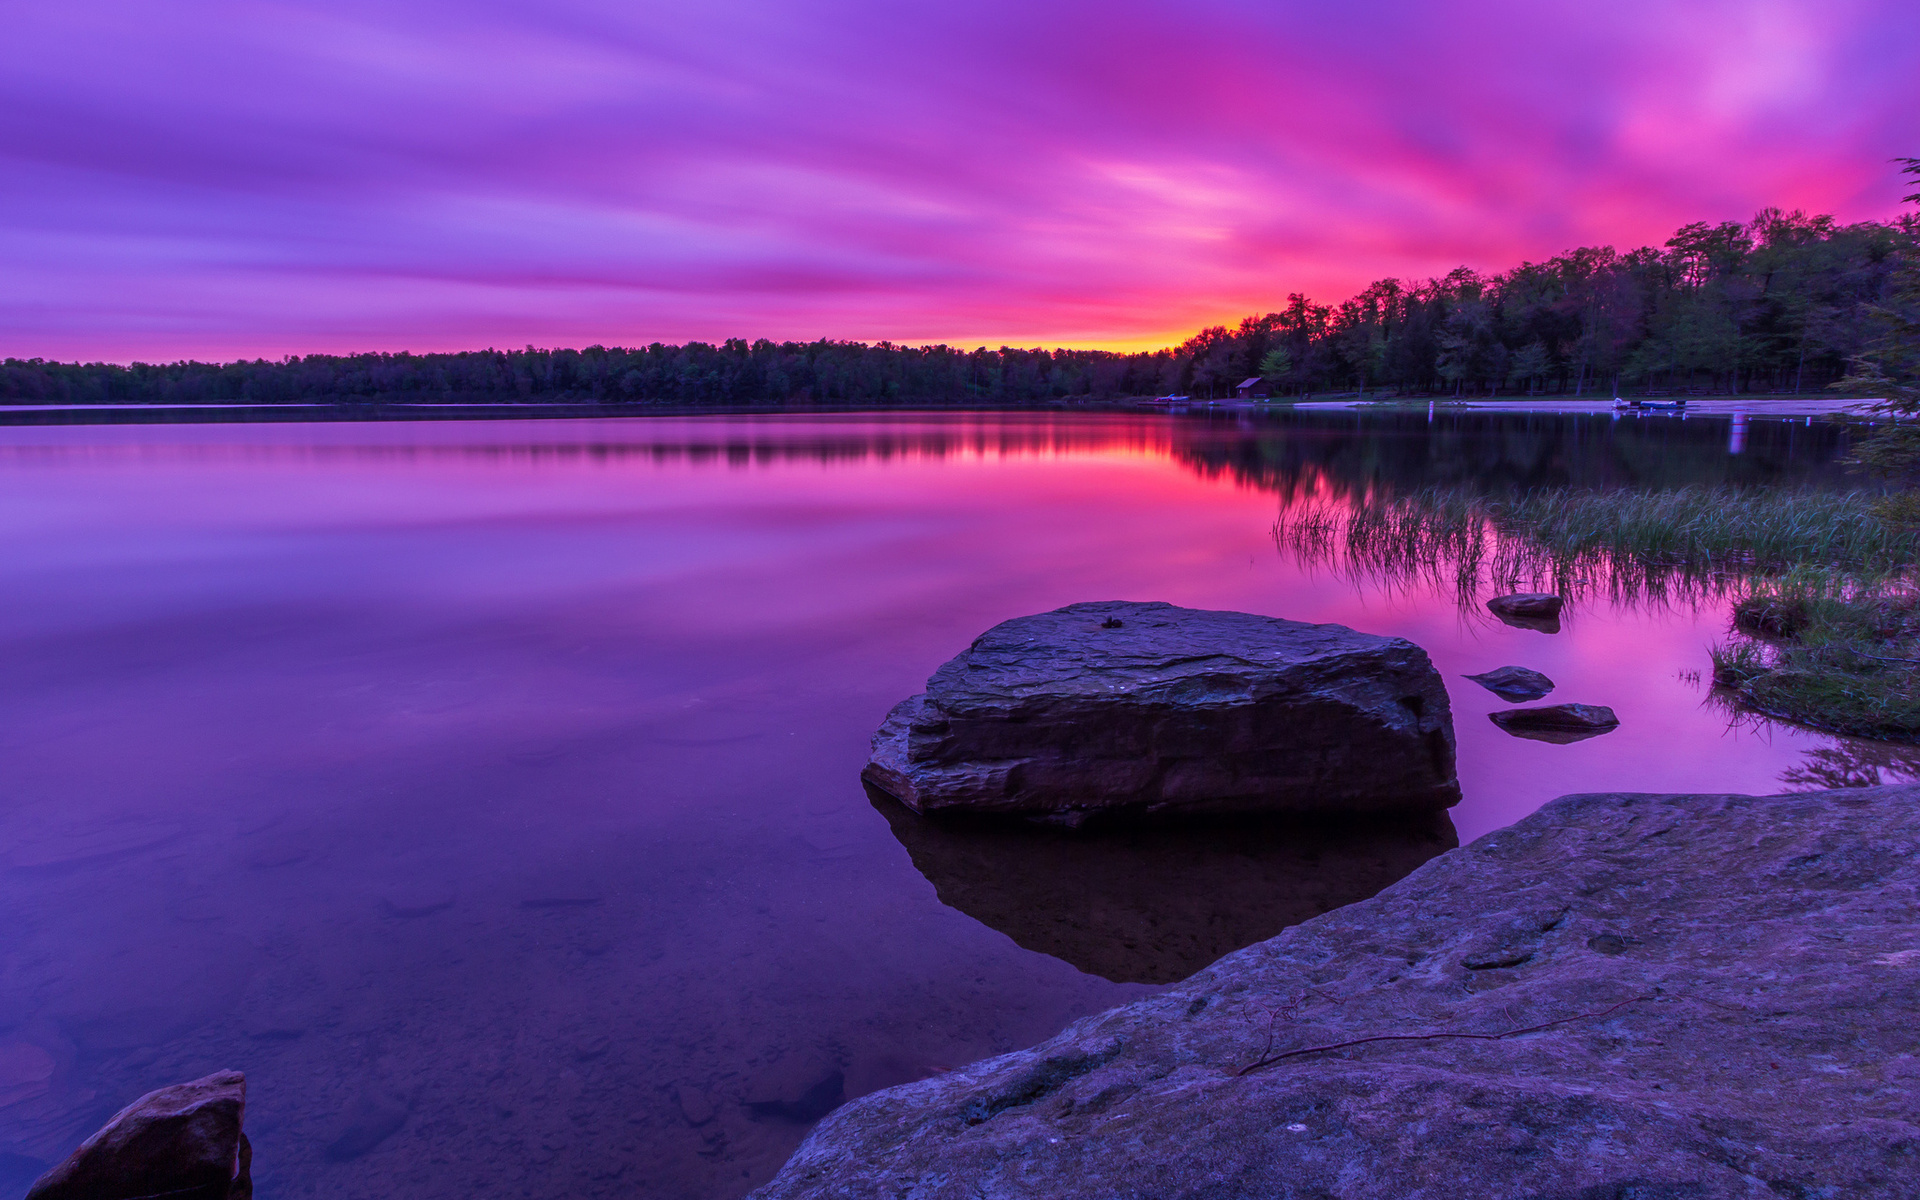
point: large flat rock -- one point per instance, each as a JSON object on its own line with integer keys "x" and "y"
{"x": 1146, "y": 709}
{"x": 1650, "y": 996}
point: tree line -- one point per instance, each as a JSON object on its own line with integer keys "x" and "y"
{"x": 1785, "y": 302}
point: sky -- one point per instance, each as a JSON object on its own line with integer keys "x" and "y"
{"x": 253, "y": 178}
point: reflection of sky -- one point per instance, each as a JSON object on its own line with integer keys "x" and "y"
{"x": 597, "y": 720}
{"x": 873, "y": 571}
{"x": 218, "y": 178}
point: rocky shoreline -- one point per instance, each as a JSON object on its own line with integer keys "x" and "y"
{"x": 1640, "y": 995}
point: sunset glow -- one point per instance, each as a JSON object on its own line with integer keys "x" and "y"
{"x": 220, "y": 179}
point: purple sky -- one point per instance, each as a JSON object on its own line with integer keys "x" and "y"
{"x": 195, "y": 178}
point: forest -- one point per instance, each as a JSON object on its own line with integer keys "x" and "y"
{"x": 1783, "y": 303}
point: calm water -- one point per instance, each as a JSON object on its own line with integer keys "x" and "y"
{"x": 487, "y": 791}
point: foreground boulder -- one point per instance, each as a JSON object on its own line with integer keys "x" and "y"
{"x": 1148, "y": 709}
{"x": 1666, "y": 996}
{"x": 182, "y": 1142}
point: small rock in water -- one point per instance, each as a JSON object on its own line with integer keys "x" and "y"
{"x": 1527, "y": 604}
{"x": 561, "y": 890}
{"x": 281, "y": 1023}
{"x": 26, "y": 1071}
{"x": 183, "y": 1142}
{"x": 1559, "y": 723}
{"x": 1514, "y": 683}
{"x": 1529, "y": 610}
{"x": 370, "y": 1120}
{"x": 816, "y": 1102}
{"x": 694, "y": 1105}
{"x": 197, "y": 906}
{"x": 284, "y": 854}
{"x": 416, "y": 900}
{"x": 592, "y": 1046}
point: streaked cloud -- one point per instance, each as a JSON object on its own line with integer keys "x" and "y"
{"x": 256, "y": 177}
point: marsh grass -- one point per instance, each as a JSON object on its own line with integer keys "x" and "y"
{"x": 1826, "y": 619}
{"x": 1684, "y": 545}
{"x": 1847, "y": 658}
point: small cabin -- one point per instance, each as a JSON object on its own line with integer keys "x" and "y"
{"x": 1252, "y": 389}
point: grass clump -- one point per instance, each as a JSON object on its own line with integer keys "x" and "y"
{"x": 1828, "y": 652}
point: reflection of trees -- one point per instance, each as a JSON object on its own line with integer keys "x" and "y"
{"x": 1342, "y": 453}
{"x": 1685, "y": 545}
{"x": 1850, "y": 764}
{"x": 1465, "y": 501}
{"x": 1355, "y": 453}
{"x": 700, "y": 442}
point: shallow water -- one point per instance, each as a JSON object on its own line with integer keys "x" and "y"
{"x": 488, "y": 791}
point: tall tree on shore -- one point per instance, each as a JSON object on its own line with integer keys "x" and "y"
{"x": 1891, "y": 366}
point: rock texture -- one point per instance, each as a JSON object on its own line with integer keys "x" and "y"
{"x": 1154, "y": 904}
{"x": 1557, "y": 722}
{"x": 182, "y": 1142}
{"x": 1514, "y": 683}
{"x": 1148, "y": 709}
{"x": 1650, "y": 996}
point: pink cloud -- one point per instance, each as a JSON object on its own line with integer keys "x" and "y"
{"x": 221, "y": 179}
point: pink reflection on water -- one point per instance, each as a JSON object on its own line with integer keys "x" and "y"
{"x": 590, "y": 699}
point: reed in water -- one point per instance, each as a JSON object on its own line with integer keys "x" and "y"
{"x": 1826, "y": 619}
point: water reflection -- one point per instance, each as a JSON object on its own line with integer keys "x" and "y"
{"x": 1851, "y": 763}
{"x": 483, "y": 789}
{"x": 1346, "y": 454}
{"x": 1355, "y": 454}
{"x": 1154, "y": 905}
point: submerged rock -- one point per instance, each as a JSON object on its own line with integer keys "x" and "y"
{"x": 821, "y": 1098}
{"x": 1514, "y": 683}
{"x": 1154, "y": 904}
{"x": 1561, "y": 723}
{"x": 419, "y": 899}
{"x": 1147, "y": 709}
{"x": 182, "y": 1142}
{"x": 369, "y": 1119}
{"x": 1622, "y": 995}
{"x": 1529, "y": 610}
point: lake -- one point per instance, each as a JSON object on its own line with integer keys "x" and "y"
{"x": 487, "y": 790}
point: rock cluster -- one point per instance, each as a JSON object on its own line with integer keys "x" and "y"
{"x": 1147, "y": 709}
{"x": 1701, "y": 996}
